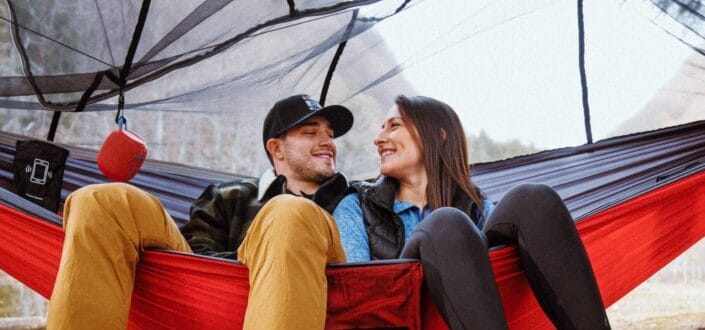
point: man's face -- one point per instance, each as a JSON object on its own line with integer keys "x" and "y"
{"x": 308, "y": 151}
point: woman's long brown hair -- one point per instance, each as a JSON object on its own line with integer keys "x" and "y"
{"x": 444, "y": 147}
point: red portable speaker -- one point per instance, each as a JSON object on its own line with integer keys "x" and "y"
{"x": 121, "y": 155}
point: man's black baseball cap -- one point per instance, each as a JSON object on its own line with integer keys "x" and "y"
{"x": 294, "y": 110}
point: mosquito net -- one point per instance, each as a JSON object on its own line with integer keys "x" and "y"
{"x": 198, "y": 77}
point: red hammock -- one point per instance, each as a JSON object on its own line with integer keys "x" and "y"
{"x": 626, "y": 244}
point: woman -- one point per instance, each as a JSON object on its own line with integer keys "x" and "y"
{"x": 425, "y": 206}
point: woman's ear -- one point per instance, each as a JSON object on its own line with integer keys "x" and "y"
{"x": 443, "y": 135}
{"x": 274, "y": 149}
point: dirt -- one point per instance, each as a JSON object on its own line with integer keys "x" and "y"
{"x": 654, "y": 305}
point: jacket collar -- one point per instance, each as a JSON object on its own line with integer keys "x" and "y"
{"x": 384, "y": 192}
{"x": 330, "y": 192}
{"x": 271, "y": 185}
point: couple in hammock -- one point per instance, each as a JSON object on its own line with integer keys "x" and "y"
{"x": 303, "y": 214}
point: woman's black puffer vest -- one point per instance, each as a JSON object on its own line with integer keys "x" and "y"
{"x": 385, "y": 229}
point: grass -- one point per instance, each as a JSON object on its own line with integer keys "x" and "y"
{"x": 8, "y": 301}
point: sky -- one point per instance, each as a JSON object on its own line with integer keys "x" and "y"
{"x": 510, "y": 68}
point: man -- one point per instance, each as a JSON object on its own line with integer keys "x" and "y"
{"x": 284, "y": 239}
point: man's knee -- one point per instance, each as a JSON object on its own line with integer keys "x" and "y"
{"x": 295, "y": 210}
{"x": 287, "y": 201}
{"x": 292, "y": 217}
{"x": 91, "y": 205}
{"x": 287, "y": 227}
{"x": 103, "y": 192}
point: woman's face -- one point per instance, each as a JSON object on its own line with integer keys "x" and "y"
{"x": 400, "y": 155}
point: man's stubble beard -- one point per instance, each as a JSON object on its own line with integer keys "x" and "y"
{"x": 301, "y": 166}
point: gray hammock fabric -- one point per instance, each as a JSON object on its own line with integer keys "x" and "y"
{"x": 589, "y": 178}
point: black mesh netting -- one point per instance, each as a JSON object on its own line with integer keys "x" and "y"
{"x": 246, "y": 46}
{"x": 214, "y": 67}
{"x": 202, "y": 74}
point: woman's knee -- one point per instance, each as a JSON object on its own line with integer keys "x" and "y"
{"x": 539, "y": 204}
{"x": 529, "y": 196}
{"x": 448, "y": 225}
{"x": 448, "y": 216}
{"x": 534, "y": 192}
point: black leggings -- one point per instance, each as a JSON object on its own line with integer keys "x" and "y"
{"x": 459, "y": 276}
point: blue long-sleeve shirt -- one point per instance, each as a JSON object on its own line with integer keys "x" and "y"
{"x": 353, "y": 236}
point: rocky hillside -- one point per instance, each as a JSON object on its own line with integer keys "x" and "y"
{"x": 680, "y": 100}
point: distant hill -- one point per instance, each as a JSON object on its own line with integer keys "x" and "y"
{"x": 485, "y": 149}
{"x": 679, "y": 101}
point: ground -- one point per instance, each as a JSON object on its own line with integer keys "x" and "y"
{"x": 655, "y": 305}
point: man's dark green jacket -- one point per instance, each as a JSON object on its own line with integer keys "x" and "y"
{"x": 220, "y": 217}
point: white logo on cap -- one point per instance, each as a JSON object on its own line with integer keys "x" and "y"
{"x": 312, "y": 104}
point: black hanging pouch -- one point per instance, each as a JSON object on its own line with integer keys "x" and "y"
{"x": 39, "y": 172}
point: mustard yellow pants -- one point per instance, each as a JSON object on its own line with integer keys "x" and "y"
{"x": 106, "y": 226}
{"x": 286, "y": 251}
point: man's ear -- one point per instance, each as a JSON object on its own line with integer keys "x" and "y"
{"x": 274, "y": 148}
